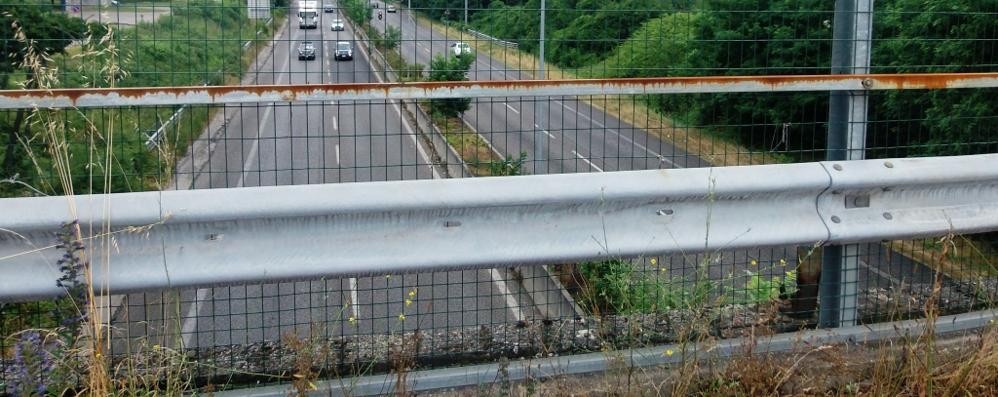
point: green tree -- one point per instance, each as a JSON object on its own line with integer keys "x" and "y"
{"x": 41, "y": 29}
{"x": 751, "y": 37}
{"x": 451, "y": 68}
{"x": 926, "y": 36}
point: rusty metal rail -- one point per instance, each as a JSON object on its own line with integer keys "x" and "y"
{"x": 162, "y": 96}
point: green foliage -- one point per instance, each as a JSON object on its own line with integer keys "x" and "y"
{"x": 937, "y": 36}
{"x": 359, "y": 11}
{"x": 199, "y": 42}
{"x": 508, "y": 166}
{"x": 392, "y": 37}
{"x": 759, "y": 289}
{"x": 49, "y": 31}
{"x": 598, "y": 27}
{"x": 615, "y": 286}
{"x": 451, "y": 68}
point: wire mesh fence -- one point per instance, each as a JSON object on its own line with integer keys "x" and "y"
{"x": 368, "y": 324}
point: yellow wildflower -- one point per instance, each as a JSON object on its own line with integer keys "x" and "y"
{"x": 401, "y": 317}
{"x": 669, "y": 352}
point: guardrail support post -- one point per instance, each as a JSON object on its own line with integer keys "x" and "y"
{"x": 852, "y": 34}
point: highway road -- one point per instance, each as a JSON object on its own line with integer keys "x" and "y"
{"x": 580, "y": 137}
{"x": 585, "y": 139}
{"x": 301, "y": 143}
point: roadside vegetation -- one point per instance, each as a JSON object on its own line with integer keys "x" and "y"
{"x": 200, "y": 42}
{"x": 642, "y": 38}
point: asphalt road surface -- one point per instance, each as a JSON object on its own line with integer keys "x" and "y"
{"x": 300, "y": 143}
{"x": 282, "y": 144}
{"x": 579, "y": 137}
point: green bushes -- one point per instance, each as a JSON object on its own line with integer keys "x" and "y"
{"x": 615, "y": 286}
{"x": 451, "y": 68}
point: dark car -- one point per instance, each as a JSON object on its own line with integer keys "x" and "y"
{"x": 344, "y": 50}
{"x": 306, "y": 51}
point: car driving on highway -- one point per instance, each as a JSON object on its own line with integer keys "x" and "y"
{"x": 337, "y": 25}
{"x": 344, "y": 51}
{"x": 460, "y": 48}
{"x": 306, "y": 51}
{"x": 328, "y": 7}
{"x": 391, "y": 8}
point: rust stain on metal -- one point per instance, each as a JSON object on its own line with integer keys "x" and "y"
{"x": 294, "y": 92}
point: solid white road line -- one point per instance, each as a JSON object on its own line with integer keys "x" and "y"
{"x": 511, "y": 108}
{"x": 337, "y": 154}
{"x": 354, "y": 300}
{"x": 190, "y": 322}
{"x": 514, "y": 306}
{"x": 405, "y": 123}
{"x": 336, "y": 126}
{"x": 587, "y": 161}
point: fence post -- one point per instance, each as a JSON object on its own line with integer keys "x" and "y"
{"x": 851, "y": 41}
{"x": 540, "y": 137}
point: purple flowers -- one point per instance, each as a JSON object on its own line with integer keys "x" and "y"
{"x": 32, "y": 366}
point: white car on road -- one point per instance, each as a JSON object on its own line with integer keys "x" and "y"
{"x": 337, "y": 25}
{"x": 460, "y": 48}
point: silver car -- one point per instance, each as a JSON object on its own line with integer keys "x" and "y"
{"x": 337, "y": 25}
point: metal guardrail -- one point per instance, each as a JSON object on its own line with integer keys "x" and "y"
{"x": 503, "y": 43}
{"x": 192, "y": 238}
{"x": 163, "y": 96}
{"x": 157, "y": 135}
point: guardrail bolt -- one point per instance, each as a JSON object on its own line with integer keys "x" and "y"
{"x": 836, "y": 219}
{"x": 888, "y": 216}
{"x": 867, "y": 83}
{"x": 888, "y": 164}
{"x": 665, "y": 212}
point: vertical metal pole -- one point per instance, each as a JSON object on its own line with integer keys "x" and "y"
{"x": 465, "y": 12}
{"x": 540, "y": 138}
{"x": 852, "y": 36}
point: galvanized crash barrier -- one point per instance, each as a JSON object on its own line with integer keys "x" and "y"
{"x": 189, "y": 238}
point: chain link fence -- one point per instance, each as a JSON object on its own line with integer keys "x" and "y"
{"x": 226, "y": 336}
